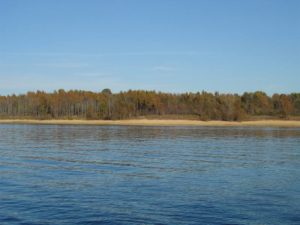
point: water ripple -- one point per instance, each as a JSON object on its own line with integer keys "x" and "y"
{"x": 51, "y": 174}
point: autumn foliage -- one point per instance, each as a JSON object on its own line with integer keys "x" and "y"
{"x": 77, "y": 104}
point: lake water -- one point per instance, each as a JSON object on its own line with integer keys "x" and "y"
{"x": 51, "y": 174}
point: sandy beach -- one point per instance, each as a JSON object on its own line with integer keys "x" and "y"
{"x": 156, "y": 122}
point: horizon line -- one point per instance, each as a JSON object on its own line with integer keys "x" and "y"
{"x": 152, "y": 90}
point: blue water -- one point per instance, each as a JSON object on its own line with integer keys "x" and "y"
{"x": 149, "y": 175}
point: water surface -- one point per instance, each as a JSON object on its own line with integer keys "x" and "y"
{"x": 51, "y": 174}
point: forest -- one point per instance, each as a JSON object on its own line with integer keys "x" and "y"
{"x": 77, "y": 104}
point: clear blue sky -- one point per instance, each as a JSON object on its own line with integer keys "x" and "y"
{"x": 168, "y": 45}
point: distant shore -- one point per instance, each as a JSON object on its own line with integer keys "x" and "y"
{"x": 158, "y": 122}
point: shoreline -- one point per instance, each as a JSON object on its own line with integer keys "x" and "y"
{"x": 158, "y": 122}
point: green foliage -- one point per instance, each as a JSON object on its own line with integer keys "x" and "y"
{"x": 106, "y": 91}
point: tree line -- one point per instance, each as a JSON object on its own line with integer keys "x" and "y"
{"x": 76, "y": 104}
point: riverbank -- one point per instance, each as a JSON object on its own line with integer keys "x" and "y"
{"x": 157, "y": 122}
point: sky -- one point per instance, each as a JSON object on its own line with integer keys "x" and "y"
{"x": 175, "y": 46}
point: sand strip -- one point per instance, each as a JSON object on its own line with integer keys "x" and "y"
{"x": 156, "y": 122}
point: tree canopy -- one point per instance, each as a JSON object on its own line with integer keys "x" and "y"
{"x": 76, "y": 104}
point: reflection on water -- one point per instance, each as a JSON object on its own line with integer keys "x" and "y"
{"x": 148, "y": 175}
